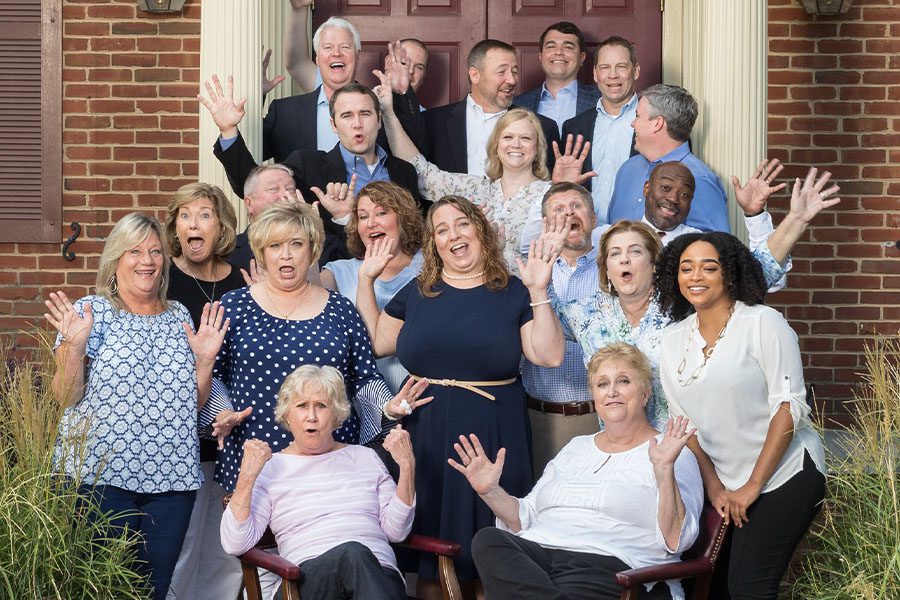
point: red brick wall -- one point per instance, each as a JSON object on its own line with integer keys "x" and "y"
{"x": 834, "y": 101}
{"x": 129, "y": 89}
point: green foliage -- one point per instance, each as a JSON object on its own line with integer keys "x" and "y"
{"x": 49, "y": 548}
{"x": 855, "y": 553}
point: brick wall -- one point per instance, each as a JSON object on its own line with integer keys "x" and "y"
{"x": 834, "y": 101}
{"x": 130, "y": 81}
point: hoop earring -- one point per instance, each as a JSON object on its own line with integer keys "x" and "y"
{"x": 113, "y": 284}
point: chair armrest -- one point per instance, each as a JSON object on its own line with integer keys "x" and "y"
{"x": 272, "y": 562}
{"x": 423, "y": 543}
{"x": 678, "y": 570}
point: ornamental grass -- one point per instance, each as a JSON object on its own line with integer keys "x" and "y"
{"x": 854, "y": 550}
{"x": 49, "y": 548}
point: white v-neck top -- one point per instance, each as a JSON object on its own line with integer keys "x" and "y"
{"x": 755, "y": 367}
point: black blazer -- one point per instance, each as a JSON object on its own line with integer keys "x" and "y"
{"x": 583, "y": 124}
{"x": 445, "y": 129}
{"x": 290, "y": 124}
{"x": 314, "y": 168}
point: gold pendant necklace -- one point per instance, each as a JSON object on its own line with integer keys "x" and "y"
{"x": 707, "y": 354}
{"x": 286, "y": 316}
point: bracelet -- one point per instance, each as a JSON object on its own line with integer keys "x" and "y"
{"x": 533, "y": 304}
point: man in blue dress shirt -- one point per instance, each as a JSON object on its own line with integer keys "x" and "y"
{"x": 662, "y": 126}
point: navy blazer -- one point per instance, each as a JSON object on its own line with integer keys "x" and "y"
{"x": 290, "y": 124}
{"x": 586, "y": 98}
{"x": 583, "y": 124}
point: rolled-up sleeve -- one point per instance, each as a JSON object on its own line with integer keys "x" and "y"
{"x": 779, "y": 357}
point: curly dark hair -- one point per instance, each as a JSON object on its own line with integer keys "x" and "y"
{"x": 410, "y": 223}
{"x": 741, "y": 272}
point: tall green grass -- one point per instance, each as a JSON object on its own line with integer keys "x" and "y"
{"x": 49, "y": 548}
{"x": 855, "y": 552}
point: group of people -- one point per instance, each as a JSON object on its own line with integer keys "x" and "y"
{"x": 432, "y": 326}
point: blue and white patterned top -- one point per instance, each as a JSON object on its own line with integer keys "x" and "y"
{"x": 346, "y": 276}
{"x": 261, "y": 350}
{"x": 139, "y": 403}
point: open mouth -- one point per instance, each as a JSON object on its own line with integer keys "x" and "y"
{"x": 696, "y": 289}
{"x": 359, "y": 138}
{"x": 459, "y": 249}
{"x": 375, "y": 235}
{"x": 668, "y": 210}
{"x": 337, "y": 66}
{"x": 146, "y": 274}
{"x": 286, "y": 270}
{"x": 627, "y": 276}
{"x": 196, "y": 243}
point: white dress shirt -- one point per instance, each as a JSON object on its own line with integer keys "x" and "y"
{"x": 479, "y": 126}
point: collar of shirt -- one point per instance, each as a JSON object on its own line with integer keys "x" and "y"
{"x": 678, "y": 154}
{"x": 571, "y": 89}
{"x": 667, "y": 235}
{"x": 478, "y": 112}
{"x": 626, "y": 108}
{"x": 354, "y": 163}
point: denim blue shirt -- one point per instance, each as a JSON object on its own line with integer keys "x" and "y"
{"x": 609, "y": 151}
{"x": 708, "y": 210}
{"x": 561, "y": 108}
{"x": 355, "y": 164}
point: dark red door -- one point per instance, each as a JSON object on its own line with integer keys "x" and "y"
{"x": 451, "y": 27}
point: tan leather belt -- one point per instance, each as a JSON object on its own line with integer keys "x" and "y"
{"x": 472, "y": 386}
{"x": 562, "y": 408}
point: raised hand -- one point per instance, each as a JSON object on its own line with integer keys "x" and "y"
{"x": 256, "y": 454}
{"x": 384, "y": 91}
{"x": 378, "y": 255}
{"x": 224, "y": 110}
{"x": 226, "y": 421}
{"x": 482, "y": 474}
{"x": 810, "y": 198}
{"x": 255, "y": 274}
{"x": 665, "y": 453}
{"x": 407, "y": 399}
{"x": 74, "y": 328}
{"x": 568, "y": 166}
{"x": 555, "y": 229}
{"x": 536, "y": 273}
{"x": 399, "y": 446}
{"x": 206, "y": 343}
{"x": 269, "y": 84}
{"x": 337, "y": 198}
{"x": 753, "y": 195}
{"x": 397, "y": 67}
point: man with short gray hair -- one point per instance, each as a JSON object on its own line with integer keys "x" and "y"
{"x": 662, "y": 125}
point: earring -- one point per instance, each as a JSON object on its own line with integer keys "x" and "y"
{"x": 113, "y": 284}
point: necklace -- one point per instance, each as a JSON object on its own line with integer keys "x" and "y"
{"x": 461, "y": 277}
{"x": 603, "y": 464}
{"x": 209, "y": 297}
{"x": 707, "y": 354}
{"x": 287, "y": 316}
{"x": 632, "y": 314}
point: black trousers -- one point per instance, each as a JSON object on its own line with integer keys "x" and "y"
{"x": 350, "y": 570}
{"x": 511, "y": 567}
{"x": 755, "y": 556}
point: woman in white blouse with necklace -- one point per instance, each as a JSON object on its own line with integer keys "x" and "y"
{"x": 733, "y": 368}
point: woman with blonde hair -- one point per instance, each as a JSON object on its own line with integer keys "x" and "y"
{"x": 134, "y": 373}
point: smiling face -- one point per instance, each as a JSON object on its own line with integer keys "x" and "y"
{"x": 287, "y": 258}
{"x": 669, "y": 193}
{"x": 619, "y": 395}
{"x": 517, "y": 145}
{"x": 336, "y": 57}
{"x": 615, "y": 75}
{"x": 198, "y": 228}
{"x": 139, "y": 271}
{"x": 700, "y": 277}
{"x": 375, "y": 222}
{"x": 456, "y": 241}
{"x": 311, "y": 419}
{"x": 561, "y": 56}
{"x": 273, "y": 185}
{"x": 493, "y": 85}
{"x": 573, "y": 204}
{"x": 645, "y": 128}
{"x": 628, "y": 265}
{"x": 356, "y": 123}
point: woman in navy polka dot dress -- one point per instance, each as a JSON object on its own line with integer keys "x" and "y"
{"x": 281, "y": 323}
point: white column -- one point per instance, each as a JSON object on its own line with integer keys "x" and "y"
{"x": 717, "y": 51}
{"x": 275, "y": 16}
{"x": 230, "y": 43}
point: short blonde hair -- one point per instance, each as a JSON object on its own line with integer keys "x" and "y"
{"x": 310, "y": 379}
{"x": 278, "y": 221}
{"x": 624, "y": 353}
{"x": 221, "y": 206}
{"x": 494, "y": 169}
{"x": 129, "y": 232}
{"x": 649, "y": 237}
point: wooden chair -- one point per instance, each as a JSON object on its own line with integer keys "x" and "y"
{"x": 291, "y": 576}
{"x": 698, "y": 562}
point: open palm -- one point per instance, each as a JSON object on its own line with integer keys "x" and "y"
{"x": 482, "y": 474}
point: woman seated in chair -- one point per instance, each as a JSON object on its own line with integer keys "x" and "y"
{"x": 332, "y": 507}
{"x": 628, "y": 496}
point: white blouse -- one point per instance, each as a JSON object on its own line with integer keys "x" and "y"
{"x": 755, "y": 368}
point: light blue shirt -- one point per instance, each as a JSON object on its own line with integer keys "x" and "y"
{"x": 561, "y": 108}
{"x": 325, "y": 137}
{"x": 355, "y": 164}
{"x": 609, "y": 151}
{"x": 708, "y": 210}
{"x": 568, "y": 382}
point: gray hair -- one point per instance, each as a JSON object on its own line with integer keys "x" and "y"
{"x": 675, "y": 105}
{"x": 253, "y": 177}
{"x": 310, "y": 379}
{"x": 129, "y": 232}
{"x": 336, "y": 23}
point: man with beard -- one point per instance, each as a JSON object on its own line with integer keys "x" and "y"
{"x": 559, "y": 400}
